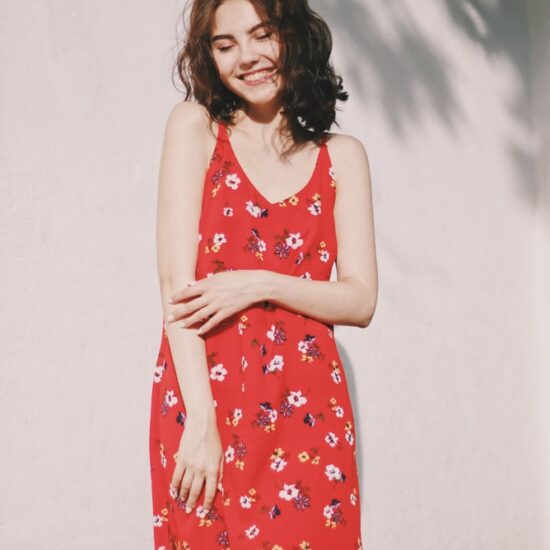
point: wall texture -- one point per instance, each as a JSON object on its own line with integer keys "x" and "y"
{"x": 448, "y": 382}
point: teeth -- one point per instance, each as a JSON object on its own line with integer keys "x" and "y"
{"x": 257, "y": 76}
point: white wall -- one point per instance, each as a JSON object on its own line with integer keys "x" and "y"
{"x": 448, "y": 381}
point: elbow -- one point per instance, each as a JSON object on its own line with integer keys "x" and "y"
{"x": 367, "y": 316}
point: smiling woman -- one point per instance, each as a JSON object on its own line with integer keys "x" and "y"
{"x": 252, "y": 432}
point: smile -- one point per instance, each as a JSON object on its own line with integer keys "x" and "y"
{"x": 259, "y": 77}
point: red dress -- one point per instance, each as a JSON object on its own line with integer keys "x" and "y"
{"x": 280, "y": 393}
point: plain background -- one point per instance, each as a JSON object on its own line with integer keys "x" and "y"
{"x": 449, "y": 384}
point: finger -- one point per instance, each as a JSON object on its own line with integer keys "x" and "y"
{"x": 186, "y": 483}
{"x": 184, "y": 293}
{"x": 177, "y": 475}
{"x": 195, "y": 491}
{"x": 213, "y": 321}
{"x": 210, "y": 491}
{"x": 199, "y": 316}
{"x": 220, "y": 477}
{"x": 183, "y": 311}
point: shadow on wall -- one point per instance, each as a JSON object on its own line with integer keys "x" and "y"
{"x": 410, "y": 66}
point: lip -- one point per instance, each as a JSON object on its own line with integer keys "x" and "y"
{"x": 260, "y": 81}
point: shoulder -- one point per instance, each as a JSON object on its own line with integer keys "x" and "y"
{"x": 345, "y": 148}
{"x": 348, "y": 155}
{"x": 190, "y": 128}
{"x": 186, "y": 115}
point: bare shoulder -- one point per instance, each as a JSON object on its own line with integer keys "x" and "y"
{"x": 187, "y": 116}
{"x": 349, "y": 160}
{"x": 345, "y": 149}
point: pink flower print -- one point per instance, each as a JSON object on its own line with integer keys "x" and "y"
{"x": 293, "y": 240}
{"x": 302, "y": 501}
{"x": 277, "y": 334}
{"x": 333, "y": 514}
{"x": 218, "y": 372}
{"x": 256, "y": 244}
{"x": 278, "y": 461}
{"x": 232, "y": 181}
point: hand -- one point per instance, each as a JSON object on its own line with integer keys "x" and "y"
{"x": 219, "y": 296}
{"x": 200, "y": 460}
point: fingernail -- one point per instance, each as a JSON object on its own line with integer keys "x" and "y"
{"x": 188, "y": 509}
{"x": 170, "y": 300}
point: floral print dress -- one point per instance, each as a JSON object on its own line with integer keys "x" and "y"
{"x": 280, "y": 393}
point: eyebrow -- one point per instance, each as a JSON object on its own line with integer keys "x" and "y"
{"x": 250, "y": 31}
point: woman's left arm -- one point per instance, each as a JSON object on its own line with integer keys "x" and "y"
{"x": 351, "y": 300}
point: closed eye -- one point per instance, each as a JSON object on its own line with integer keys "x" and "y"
{"x": 263, "y": 37}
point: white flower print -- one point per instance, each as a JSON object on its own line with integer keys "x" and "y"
{"x": 232, "y": 181}
{"x": 272, "y": 416}
{"x": 289, "y": 491}
{"x": 246, "y": 501}
{"x": 218, "y": 372}
{"x": 331, "y": 439}
{"x": 353, "y": 499}
{"x": 293, "y": 240}
{"x": 157, "y": 521}
{"x": 315, "y": 208}
{"x": 336, "y": 376}
{"x": 324, "y": 255}
{"x": 253, "y": 209}
{"x": 306, "y": 275}
{"x": 276, "y": 363}
{"x": 237, "y": 414}
{"x": 333, "y": 472}
{"x": 278, "y": 464}
{"x": 331, "y": 173}
{"x": 159, "y": 371}
{"x": 296, "y": 398}
{"x": 349, "y": 437}
{"x": 252, "y": 531}
{"x": 229, "y": 454}
{"x": 219, "y": 238}
{"x": 170, "y": 399}
{"x": 339, "y": 411}
{"x": 228, "y": 211}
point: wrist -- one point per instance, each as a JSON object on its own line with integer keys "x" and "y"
{"x": 266, "y": 287}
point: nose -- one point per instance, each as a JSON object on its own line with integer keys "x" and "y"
{"x": 248, "y": 55}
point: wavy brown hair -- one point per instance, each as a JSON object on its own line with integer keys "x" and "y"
{"x": 311, "y": 86}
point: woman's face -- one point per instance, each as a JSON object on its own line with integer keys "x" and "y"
{"x": 240, "y": 45}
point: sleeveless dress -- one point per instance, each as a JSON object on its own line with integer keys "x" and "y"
{"x": 280, "y": 393}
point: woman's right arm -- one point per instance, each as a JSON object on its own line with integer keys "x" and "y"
{"x": 183, "y": 165}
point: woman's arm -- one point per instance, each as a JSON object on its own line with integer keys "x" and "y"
{"x": 351, "y": 300}
{"x": 182, "y": 169}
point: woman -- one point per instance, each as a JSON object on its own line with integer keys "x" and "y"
{"x": 252, "y": 436}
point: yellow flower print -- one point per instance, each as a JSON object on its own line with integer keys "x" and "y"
{"x": 239, "y": 464}
{"x": 316, "y": 459}
{"x": 294, "y": 200}
{"x": 304, "y": 545}
{"x": 303, "y": 456}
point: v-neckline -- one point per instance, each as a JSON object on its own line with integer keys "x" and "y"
{"x": 250, "y": 183}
